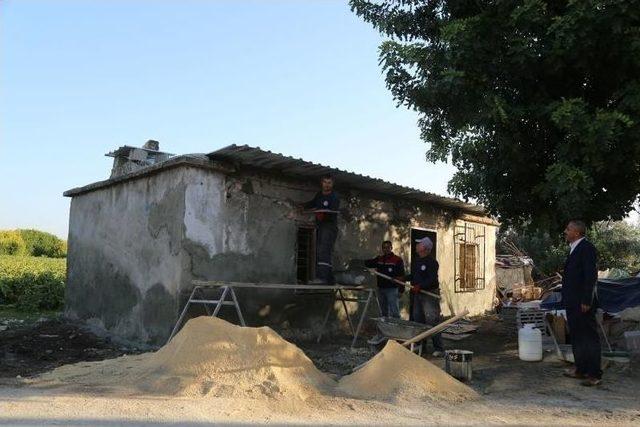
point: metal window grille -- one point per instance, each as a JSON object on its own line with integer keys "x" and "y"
{"x": 469, "y": 261}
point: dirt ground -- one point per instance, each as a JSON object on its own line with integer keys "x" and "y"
{"x": 29, "y": 348}
{"x": 513, "y": 392}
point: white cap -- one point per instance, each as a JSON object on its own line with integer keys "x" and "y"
{"x": 426, "y": 242}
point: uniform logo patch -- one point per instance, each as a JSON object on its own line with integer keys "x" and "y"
{"x": 423, "y": 267}
{"x": 390, "y": 269}
{"x": 325, "y": 203}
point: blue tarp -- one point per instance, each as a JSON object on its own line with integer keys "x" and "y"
{"x": 613, "y": 295}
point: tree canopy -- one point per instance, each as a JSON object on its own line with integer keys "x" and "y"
{"x": 617, "y": 243}
{"x": 536, "y": 103}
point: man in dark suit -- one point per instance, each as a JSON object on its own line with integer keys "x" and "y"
{"x": 578, "y": 294}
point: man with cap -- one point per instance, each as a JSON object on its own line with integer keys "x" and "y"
{"x": 424, "y": 276}
{"x": 390, "y": 265}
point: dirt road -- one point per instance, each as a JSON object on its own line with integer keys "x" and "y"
{"x": 513, "y": 393}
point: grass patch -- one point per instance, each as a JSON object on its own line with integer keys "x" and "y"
{"x": 32, "y": 284}
{"x": 11, "y": 313}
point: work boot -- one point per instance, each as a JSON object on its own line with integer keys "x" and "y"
{"x": 572, "y": 373}
{"x": 377, "y": 339}
{"x": 591, "y": 382}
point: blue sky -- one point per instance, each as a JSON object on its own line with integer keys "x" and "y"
{"x": 79, "y": 78}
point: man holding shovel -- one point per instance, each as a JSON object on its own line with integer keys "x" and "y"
{"x": 424, "y": 277}
{"x": 391, "y": 265}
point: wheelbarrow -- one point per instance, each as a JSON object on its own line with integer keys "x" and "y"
{"x": 400, "y": 330}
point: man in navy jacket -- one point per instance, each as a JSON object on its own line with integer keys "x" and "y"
{"x": 390, "y": 265}
{"x": 325, "y": 204}
{"x": 424, "y": 276}
{"x": 578, "y": 294}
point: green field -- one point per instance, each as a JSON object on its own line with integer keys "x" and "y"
{"x": 32, "y": 284}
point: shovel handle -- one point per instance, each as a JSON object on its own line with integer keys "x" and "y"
{"x": 406, "y": 285}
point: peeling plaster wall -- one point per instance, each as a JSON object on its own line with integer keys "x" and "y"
{"x": 237, "y": 229}
{"x": 124, "y": 260}
{"x": 242, "y": 227}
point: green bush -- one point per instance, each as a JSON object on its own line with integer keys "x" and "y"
{"x": 40, "y": 243}
{"x": 32, "y": 283}
{"x": 12, "y": 243}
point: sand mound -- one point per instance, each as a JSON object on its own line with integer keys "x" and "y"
{"x": 209, "y": 356}
{"x": 397, "y": 374}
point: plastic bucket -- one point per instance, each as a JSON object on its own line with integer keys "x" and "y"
{"x": 529, "y": 343}
{"x": 457, "y": 363}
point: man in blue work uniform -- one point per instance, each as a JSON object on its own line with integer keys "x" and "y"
{"x": 424, "y": 276}
{"x": 389, "y": 292}
{"x": 326, "y": 227}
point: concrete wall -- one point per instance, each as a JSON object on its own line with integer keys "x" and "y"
{"x": 124, "y": 259}
{"x": 242, "y": 227}
{"x": 477, "y": 302}
{"x": 136, "y": 247}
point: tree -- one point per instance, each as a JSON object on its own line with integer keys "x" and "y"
{"x": 618, "y": 245}
{"x": 536, "y": 103}
{"x": 548, "y": 251}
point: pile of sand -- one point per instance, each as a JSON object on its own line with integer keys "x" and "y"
{"x": 209, "y": 356}
{"x": 397, "y": 374}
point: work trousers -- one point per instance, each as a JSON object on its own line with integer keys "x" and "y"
{"x": 389, "y": 299}
{"x": 427, "y": 310}
{"x": 326, "y": 234}
{"x": 585, "y": 341}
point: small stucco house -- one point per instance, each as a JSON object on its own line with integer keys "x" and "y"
{"x": 138, "y": 239}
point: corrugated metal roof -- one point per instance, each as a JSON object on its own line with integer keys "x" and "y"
{"x": 267, "y": 160}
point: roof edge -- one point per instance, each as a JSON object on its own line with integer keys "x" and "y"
{"x": 183, "y": 160}
{"x": 466, "y": 211}
{"x": 485, "y": 220}
{"x": 233, "y": 152}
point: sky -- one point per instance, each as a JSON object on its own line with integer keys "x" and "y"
{"x": 81, "y": 78}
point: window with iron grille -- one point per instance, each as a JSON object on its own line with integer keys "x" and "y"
{"x": 469, "y": 262}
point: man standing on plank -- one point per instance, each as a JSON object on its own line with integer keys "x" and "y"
{"x": 424, "y": 276}
{"x": 325, "y": 204}
{"x": 388, "y": 292}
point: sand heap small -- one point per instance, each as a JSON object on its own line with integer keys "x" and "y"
{"x": 209, "y": 356}
{"x": 397, "y": 374}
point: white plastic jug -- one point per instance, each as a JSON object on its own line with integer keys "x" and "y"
{"x": 529, "y": 343}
